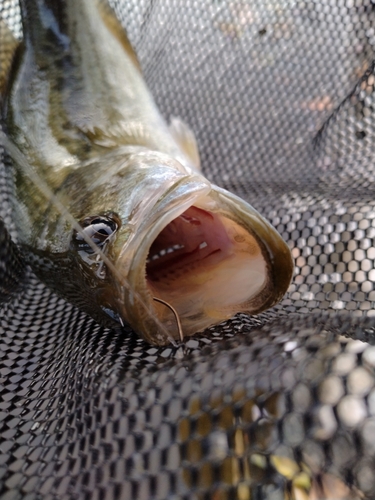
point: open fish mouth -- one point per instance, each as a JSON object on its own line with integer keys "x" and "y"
{"x": 188, "y": 244}
{"x": 209, "y": 260}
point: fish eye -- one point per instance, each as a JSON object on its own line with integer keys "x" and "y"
{"x": 98, "y": 228}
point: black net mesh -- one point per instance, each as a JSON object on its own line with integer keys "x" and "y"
{"x": 281, "y": 97}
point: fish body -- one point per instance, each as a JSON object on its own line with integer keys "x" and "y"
{"x": 77, "y": 109}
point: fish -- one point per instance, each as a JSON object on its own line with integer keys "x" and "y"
{"x": 112, "y": 210}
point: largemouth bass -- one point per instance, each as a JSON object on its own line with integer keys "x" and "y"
{"x": 78, "y": 112}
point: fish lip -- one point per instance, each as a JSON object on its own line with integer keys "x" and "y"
{"x": 275, "y": 250}
{"x": 186, "y": 192}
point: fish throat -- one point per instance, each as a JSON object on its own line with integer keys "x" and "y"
{"x": 192, "y": 241}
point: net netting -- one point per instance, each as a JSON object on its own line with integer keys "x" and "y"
{"x": 281, "y": 97}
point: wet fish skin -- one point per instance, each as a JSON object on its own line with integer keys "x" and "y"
{"x": 78, "y": 109}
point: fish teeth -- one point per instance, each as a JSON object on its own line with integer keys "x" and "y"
{"x": 165, "y": 251}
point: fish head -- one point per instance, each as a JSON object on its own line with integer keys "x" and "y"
{"x": 178, "y": 247}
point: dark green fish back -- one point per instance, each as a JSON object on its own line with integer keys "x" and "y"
{"x": 88, "y": 413}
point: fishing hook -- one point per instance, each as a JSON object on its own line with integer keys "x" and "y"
{"x": 179, "y": 326}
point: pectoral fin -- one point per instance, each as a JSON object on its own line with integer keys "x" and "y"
{"x": 185, "y": 138}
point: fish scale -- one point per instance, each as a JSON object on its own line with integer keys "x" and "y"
{"x": 242, "y": 411}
